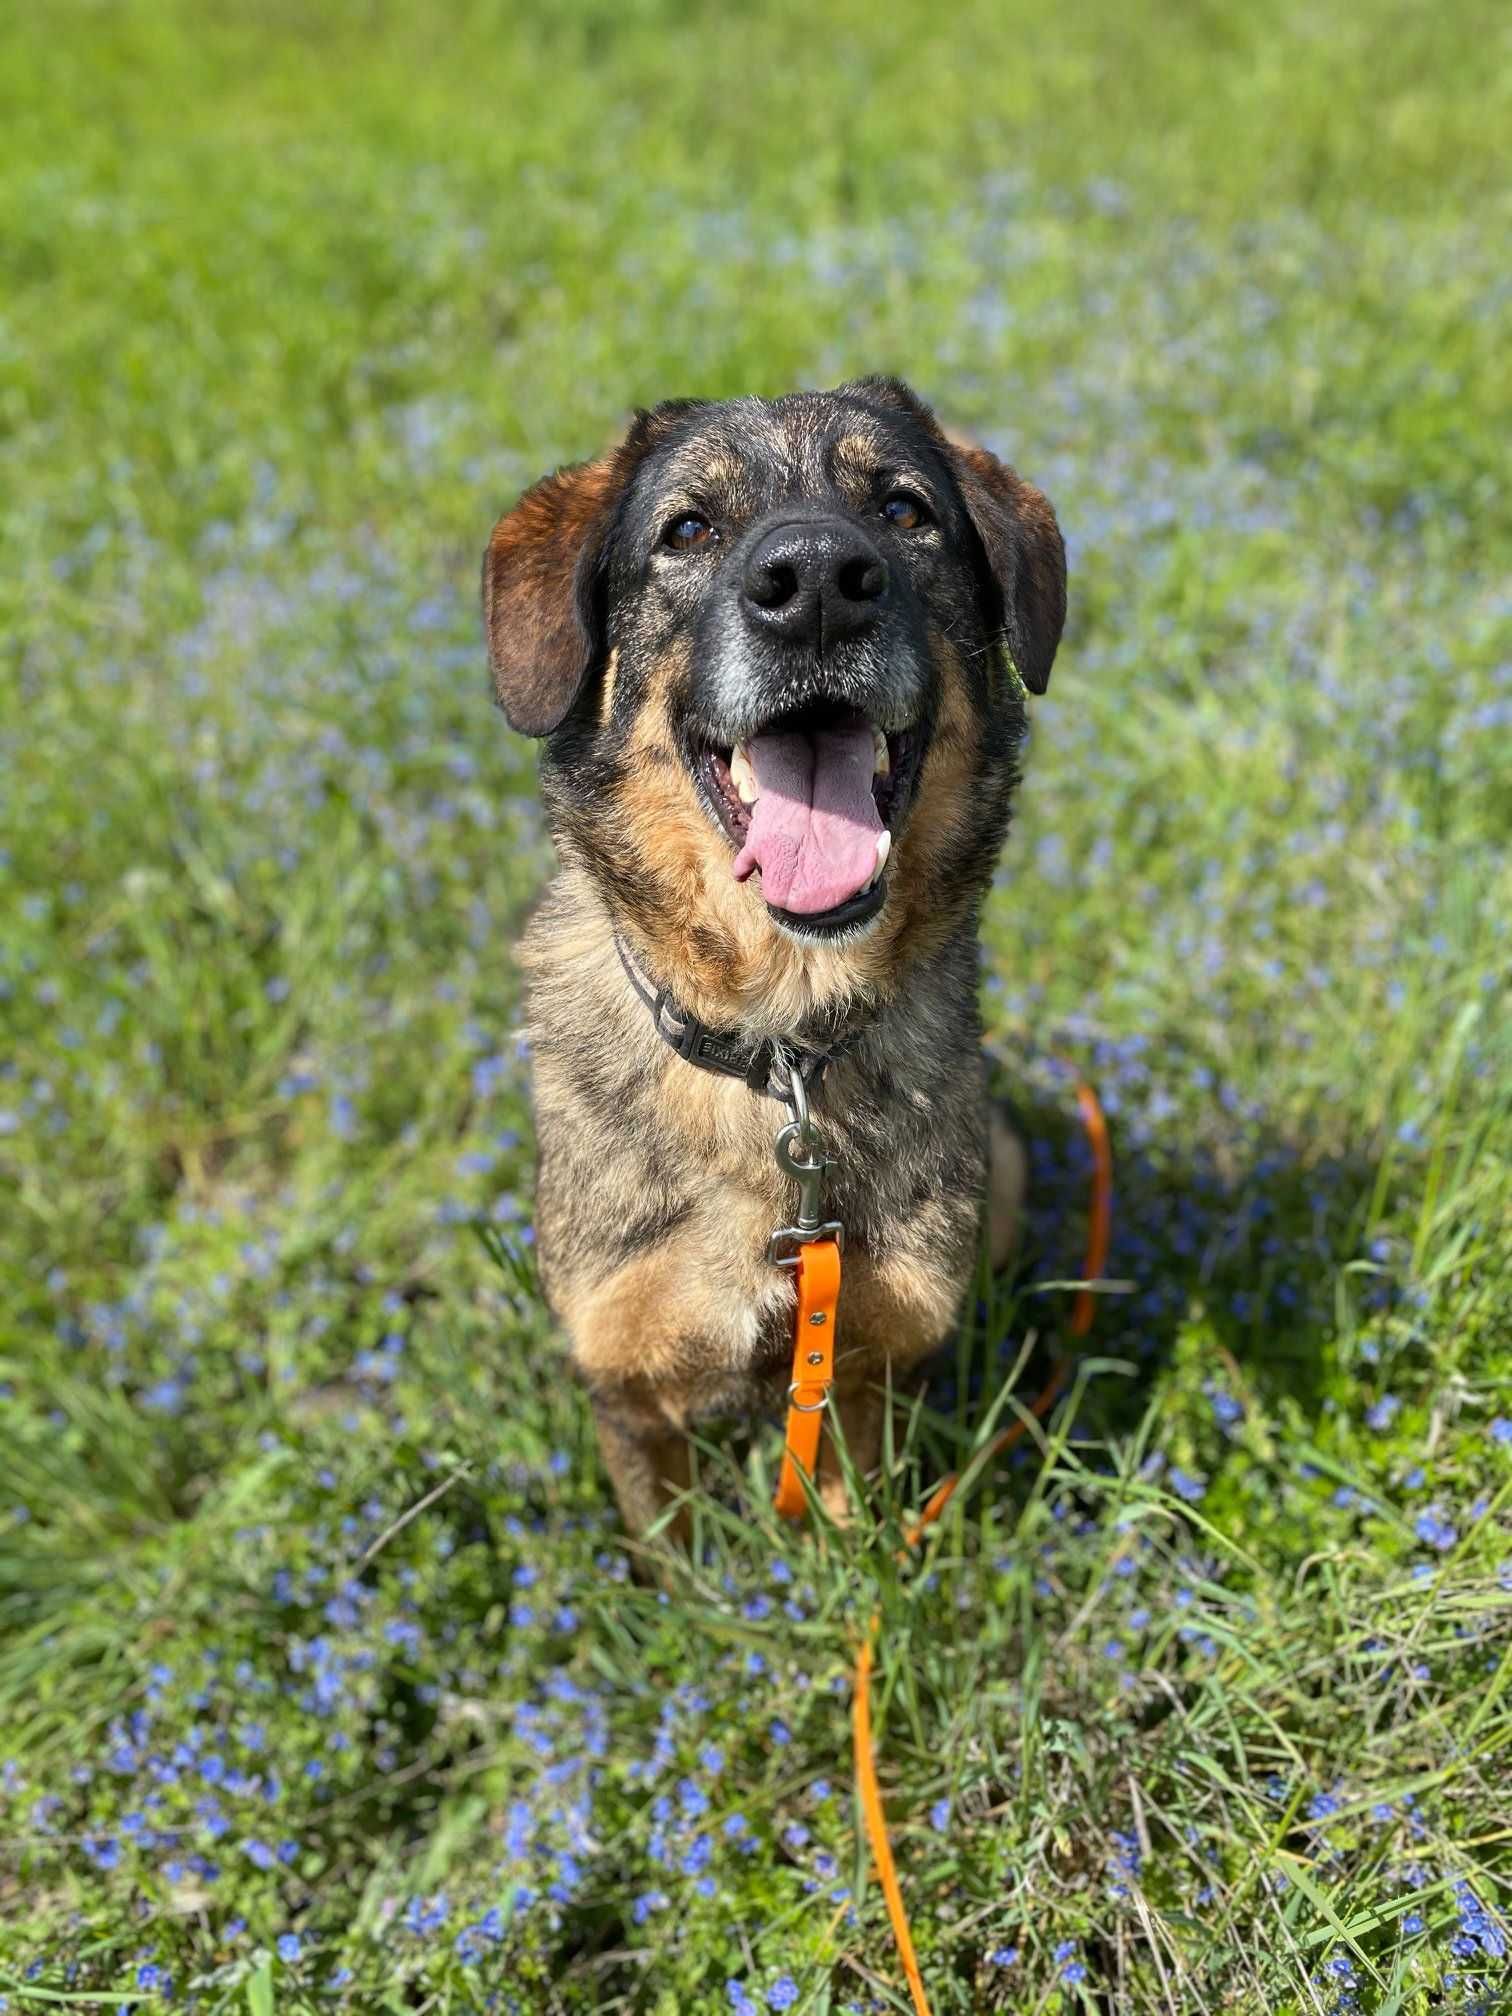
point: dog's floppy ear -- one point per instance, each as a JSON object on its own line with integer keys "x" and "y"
{"x": 1021, "y": 542}
{"x": 540, "y": 592}
{"x": 542, "y": 576}
{"x": 1026, "y": 558}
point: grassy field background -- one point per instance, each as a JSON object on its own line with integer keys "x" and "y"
{"x": 321, "y": 1683}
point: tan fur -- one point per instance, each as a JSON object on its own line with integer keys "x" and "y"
{"x": 657, "y": 1183}
{"x": 711, "y": 935}
{"x": 669, "y": 1337}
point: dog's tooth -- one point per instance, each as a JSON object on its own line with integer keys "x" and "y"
{"x": 743, "y": 777}
{"x": 884, "y": 848}
{"x": 881, "y": 761}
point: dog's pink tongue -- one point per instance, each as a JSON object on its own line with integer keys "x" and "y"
{"x": 814, "y": 827}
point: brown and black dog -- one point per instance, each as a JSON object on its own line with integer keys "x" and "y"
{"x": 777, "y": 651}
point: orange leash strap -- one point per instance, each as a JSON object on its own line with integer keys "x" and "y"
{"x": 818, "y": 1272}
{"x": 1099, "y": 1229}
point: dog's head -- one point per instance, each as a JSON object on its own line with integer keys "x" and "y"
{"x": 775, "y": 648}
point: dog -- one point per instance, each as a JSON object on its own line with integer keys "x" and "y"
{"x": 776, "y": 652}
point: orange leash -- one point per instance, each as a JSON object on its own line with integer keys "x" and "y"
{"x": 869, "y": 1792}
{"x": 818, "y": 1271}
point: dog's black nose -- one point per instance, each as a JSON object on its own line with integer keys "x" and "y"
{"x": 814, "y": 581}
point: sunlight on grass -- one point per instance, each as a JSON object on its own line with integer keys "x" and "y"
{"x": 323, "y": 1683}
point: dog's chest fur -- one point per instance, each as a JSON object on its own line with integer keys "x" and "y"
{"x": 658, "y": 1188}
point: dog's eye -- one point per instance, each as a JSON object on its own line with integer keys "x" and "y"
{"x": 684, "y": 533}
{"x": 905, "y": 511}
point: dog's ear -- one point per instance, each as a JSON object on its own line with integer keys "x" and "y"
{"x": 540, "y": 600}
{"x": 543, "y": 576}
{"x": 1025, "y": 556}
{"x": 1025, "y": 575}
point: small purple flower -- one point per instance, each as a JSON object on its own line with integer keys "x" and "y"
{"x": 1434, "y": 1530}
{"x": 1501, "y": 1430}
{"x": 288, "y": 1946}
{"x": 1227, "y": 1411}
{"x": 1072, "y": 1969}
{"x": 1003, "y": 1956}
{"x": 1185, "y": 1485}
{"x": 783, "y": 1992}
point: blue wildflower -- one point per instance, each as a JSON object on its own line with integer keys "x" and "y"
{"x": 1227, "y": 1411}
{"x": 1071, "y": 1968}
{"x": 1434, "y": 1530}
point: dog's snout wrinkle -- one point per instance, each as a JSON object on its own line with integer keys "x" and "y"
{"x": 814, "y": 582}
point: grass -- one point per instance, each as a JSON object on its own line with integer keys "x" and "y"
{"x": 321, "y": 1682}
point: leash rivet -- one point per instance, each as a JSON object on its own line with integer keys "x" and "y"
{"x": 816, "y": 1357}
{"x": 818, "y": 1316}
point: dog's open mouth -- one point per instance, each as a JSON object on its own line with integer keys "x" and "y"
{"x": 811, "y": 802}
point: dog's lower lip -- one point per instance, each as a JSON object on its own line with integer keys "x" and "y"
{"x": 857, "y": 909}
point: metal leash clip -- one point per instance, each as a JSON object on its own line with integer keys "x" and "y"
{"x": 800, "y": 1154}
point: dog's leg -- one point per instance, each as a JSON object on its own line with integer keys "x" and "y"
{"x": 1007, "y": 1186}
{"x": 650, "y": 1468}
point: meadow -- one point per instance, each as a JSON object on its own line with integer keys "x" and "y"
{"x": 323, "y": 1684}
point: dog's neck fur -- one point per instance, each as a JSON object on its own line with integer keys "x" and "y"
{"x": 570, "y": 952}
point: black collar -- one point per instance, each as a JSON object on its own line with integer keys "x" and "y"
{"x": 764, "y": 1066}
